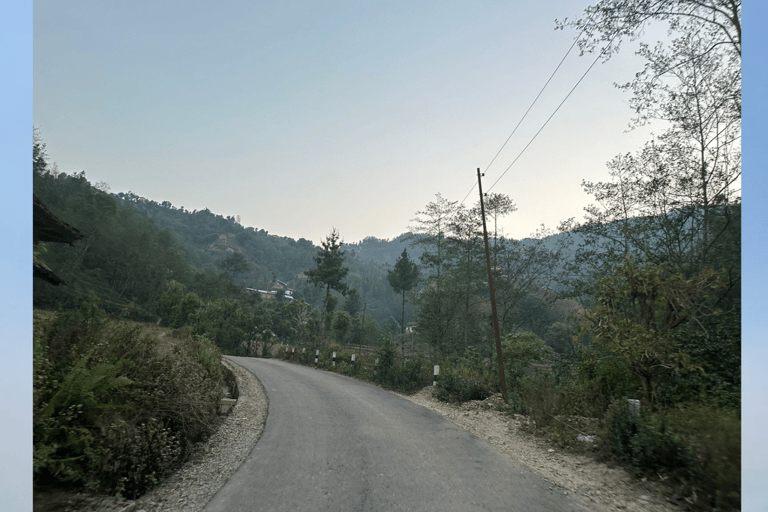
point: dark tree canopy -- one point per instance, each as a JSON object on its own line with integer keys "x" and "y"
{"x": 330, "y": 271}
{"x": 403, "y": 278}
{"x": 235, "y": 264}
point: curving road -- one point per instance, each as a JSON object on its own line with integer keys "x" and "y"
{"x": 339, "y": 444}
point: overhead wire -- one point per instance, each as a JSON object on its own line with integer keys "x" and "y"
{"x": 576, "y": 40}
{"x": 555, "y": 112}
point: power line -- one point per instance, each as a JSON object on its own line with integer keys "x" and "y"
{"x": 531, "y": 105}
{"x": 553, "y": 113}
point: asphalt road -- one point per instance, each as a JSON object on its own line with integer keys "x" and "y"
{"x": 339, "y": 444}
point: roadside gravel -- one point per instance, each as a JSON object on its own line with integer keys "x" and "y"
{"x": 604, "y": 487}
{"x": 193, "y": 486}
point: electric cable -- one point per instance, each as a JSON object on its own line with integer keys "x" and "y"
{"x": 576, "y": 40}
{"x": 555, "y": 112}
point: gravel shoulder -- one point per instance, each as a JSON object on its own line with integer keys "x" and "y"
{"x": 606, "y": 488}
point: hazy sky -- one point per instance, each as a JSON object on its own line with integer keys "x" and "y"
{"x": 301, "y": 116}
{"x": 318, "y": 115}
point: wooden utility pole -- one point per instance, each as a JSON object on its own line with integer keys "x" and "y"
{"x": 492, "y": 291}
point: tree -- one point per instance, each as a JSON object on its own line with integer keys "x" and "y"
{"x": 235, "y": 264}
{"x": 354, "y": 303}
{"x": 676, "y": 200}
{"x": 330, "y": 271}
{"x": 430, "y": 230}
{"x": 498, "y": 205}
{"x": 525, "y": 272}
{"x": 341, "y": 325}
{"x": 607, "y": 22}
{"x": 403, "y": 278}
{"x": 640, "y": 307}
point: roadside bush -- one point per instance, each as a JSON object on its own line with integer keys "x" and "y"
{"x": 542, "y": 399}
{"x": 698, "y": 446}
{"x": 385, "y": 370}
{"x": 118, "y": 405}
{"x": 460, "y": 384}
{"x": 519, "y": 351}
{"x": 402, "y": 374}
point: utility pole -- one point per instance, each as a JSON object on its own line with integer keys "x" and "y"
{"x": 492, "y": 291}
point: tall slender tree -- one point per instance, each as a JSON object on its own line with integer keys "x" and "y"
{"x": 403, "y": 278}
{"x": 330, "y": 271}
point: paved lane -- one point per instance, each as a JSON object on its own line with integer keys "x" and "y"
{"x": 338, "y": 444}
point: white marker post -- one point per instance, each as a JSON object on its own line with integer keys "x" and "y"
{"x": 334, "y": 359}
{"x": 634, "y": 410}
{"x": 317, "y": 354}
{"x": 437, "y": 373}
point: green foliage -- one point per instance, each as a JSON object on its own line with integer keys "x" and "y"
{"x": 637, "y": 310}
{"x": 402, "y": 279}
{"x": 341, "y": 325}
{"x": 698, "y": 446}
{"x": 123, "y": 257}
{"x": 519, "y": 351}
{"x": 235, "y": 264}
{"x": 118, "y": 406}
{"x": 387, "y": 356}
{"x": 717, "y": 350}
{"x": 458, "y": 383}
{"x": 227, "y": 322}
{"x": 330, "y": 270}
{"x": 353, "y": 304}
{"x": 177, "y": 308}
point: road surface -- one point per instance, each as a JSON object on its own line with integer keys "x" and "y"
{"x": 338, "y": 444}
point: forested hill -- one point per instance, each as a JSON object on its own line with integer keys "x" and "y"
{"x": 385, "y": 252}
{"x": 210, "y": 238}
{"x": 133, "y": 246}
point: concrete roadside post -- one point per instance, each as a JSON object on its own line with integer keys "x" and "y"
{"x": 634, "y": 410}
{"x": 437, "y": 374}
{"x": 334, "y": 359}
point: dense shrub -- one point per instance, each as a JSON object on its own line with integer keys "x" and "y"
{"x": 117, "y": 405}
{"x": 697, "y": 446}
{"x": 461, "y": 384}
{"x": 406, "y": 374}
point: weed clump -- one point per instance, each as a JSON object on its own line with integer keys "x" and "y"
{"x": 118, "y": 406}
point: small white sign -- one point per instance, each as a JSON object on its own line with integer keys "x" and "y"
{"x": 353, "y": 358}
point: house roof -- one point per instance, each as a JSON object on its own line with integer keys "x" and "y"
{"x": 46, "y": 227}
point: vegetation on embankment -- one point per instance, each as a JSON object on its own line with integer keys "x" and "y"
{"x": 118, "y": 405}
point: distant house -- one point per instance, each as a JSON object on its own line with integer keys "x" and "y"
{"x": 46, "y": 227}
{"x": 272, "y": 294}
